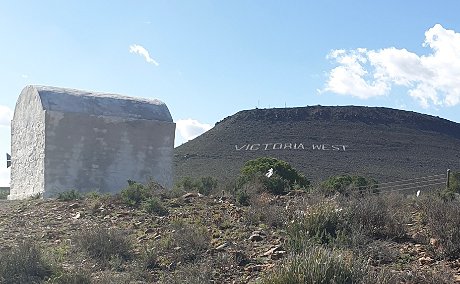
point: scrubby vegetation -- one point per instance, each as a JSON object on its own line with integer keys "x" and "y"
{"x": 328, "y": 233}
{"x": 346, "y": 184}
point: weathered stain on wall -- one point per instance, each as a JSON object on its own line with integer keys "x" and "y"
{"x": 93, "y": 146}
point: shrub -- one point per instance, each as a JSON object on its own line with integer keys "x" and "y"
{"x": 425, "y": 277}
{"x": 155, "y": 206}
{"x": 104, "y": 244}
{"x": 243, "y": 197}
{"x": 454, "y": 182}
{"x": 318, "y": 265}
{"x": 282, "y": 169}
{"x": 261, "y": 211}
{"x": 321, "y": 224}
{"x": 69, "y": 195}
{"x": 347, "y": 183}
{"x": 192, "y": 273}
{"x": 204, "y": 185}
{"x": 377, "y": 216}
{"x": 442, "y": 220}
{"x": 4, "y": 193}
{"x": 134, "y": 194}
{"x": 24, "y": 264}
{"x": 72, "y": 278}
{"x": 149, "y": 258}
{"x": 192, "y": 239}
{"x": 188, "y": 184}
{"x": 207, "y": 185}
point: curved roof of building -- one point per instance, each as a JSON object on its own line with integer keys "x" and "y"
{"x": 92, "y": 103}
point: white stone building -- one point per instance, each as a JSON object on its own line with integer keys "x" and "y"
{"x": 64, "y": 139}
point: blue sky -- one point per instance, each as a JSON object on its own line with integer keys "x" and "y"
{"x": 210, "y": 59}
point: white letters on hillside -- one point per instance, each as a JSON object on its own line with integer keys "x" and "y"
{"x": 290, "y": 146}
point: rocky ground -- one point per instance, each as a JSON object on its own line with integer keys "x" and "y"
{"x": 236, "y": 244}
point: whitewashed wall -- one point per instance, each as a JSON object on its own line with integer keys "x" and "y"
{"x": 27, "y": 147}
{"x": 98, "y": 153}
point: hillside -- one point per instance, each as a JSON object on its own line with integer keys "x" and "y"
{"x": 382, "y": 143}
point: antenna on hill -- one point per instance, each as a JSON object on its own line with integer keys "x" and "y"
{"x": 8, "y": 160}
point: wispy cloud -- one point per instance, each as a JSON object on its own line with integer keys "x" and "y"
{"x": 6, "y": 114}
{"x": 139, "y": 49}
{"x": 430, "y": 79}
{"x": 188, "y": 129}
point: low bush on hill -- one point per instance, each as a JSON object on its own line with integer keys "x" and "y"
{"x": 262, "y": 211}
{"x": 69, "y": 195}
{"x": 377, "y": 216}
{"x": 187, "y": 242}
{"x": 145, "y": 196}
{"x": 269, "y": 175}
{"x": 317, "y": 264}
{"x": 346, "y": 184}
{"x": 442, "y": 219}
{"x": 155, "y": 206}
{"x": 454, "y": 182}
{"x": 4, "y": 193}
{"x": 135, "y": 194}
{"x": 104, "y": 244}
{"x": 74, "y": 277}
{"x": 204, "y": 185}
{"x": 24, "y": 264}
{"x": 322, "y": 223}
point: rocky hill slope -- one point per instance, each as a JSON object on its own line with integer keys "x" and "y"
{"x": 382, "y": 143}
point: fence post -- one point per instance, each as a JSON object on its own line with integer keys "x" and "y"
{"x": 448, "y": 179}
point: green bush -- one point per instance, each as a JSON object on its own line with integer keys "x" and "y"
{"x": 442, "y": 219}
{"x": 104, "y": 244}
{"x": 318, "y": 265}
{"x": 71, "y": 278}
{"x": 4, "y": 193}
{"x": 242, "y": 197}
{"x": 149, "y": 258}
{"x": 188, "y": 184}
{"x": 24, "y": 264}
{"x": 321, "y": 224}
{"x": 207, "y": 185}
{"x": 135, "y": 194}
{"x": 346, "y": 184}
{"x": 262, "y": 211}
{"x": 282, "y": 169}
{"x": 191, "y": 239}
{"x": 69, "y": 195}
{"x": 454, "y": 184}
{"x": 377, "y": 216}
{"x": 203, "y": 185}
{"x": 191, "y": 273}
{"x": 155, "y": 206}
{"x": 259, "y": 183}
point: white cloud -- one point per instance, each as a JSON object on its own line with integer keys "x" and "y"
{"x": 139, "y": 49}
{"x": 188, "y": 129}
{"x": 6, "y": 114}
{"x": 430, "y": 79}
